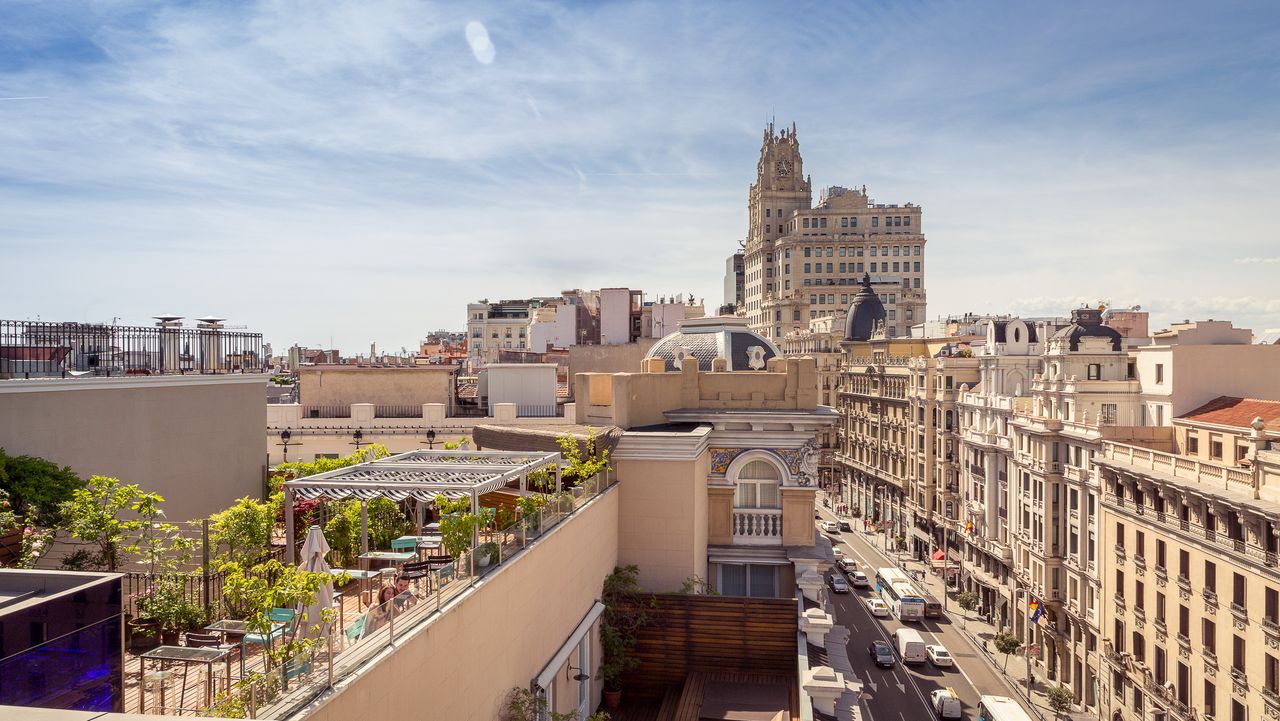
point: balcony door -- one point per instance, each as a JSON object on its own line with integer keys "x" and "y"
{"x": 757, "y": 486}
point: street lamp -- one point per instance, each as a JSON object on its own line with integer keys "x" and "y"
{"x": 431, "y": 438}
{"x": 1030, "y": 635}
{"x": 285, "y": 435}
{"x": 357, "y": 437}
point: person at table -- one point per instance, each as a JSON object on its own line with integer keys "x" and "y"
{"x": 404, "y": 597}
{"x": 380, "y": 614}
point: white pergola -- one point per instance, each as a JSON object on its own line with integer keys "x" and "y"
{"x": 418, "y": 476}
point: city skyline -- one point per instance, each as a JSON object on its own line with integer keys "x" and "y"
{"x": 361, "y": 173}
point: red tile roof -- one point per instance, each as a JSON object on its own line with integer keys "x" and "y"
{"x": 1238, "y": 412}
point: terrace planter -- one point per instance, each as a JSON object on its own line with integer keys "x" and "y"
{"x": 144, "y": 634}
{"x": 613, "y": 699}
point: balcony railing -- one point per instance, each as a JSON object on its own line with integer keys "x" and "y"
{"x": 757, "y": 526}
{"x": 49, "y": 350}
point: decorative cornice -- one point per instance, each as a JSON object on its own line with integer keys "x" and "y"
{"x": 662, "y": 446}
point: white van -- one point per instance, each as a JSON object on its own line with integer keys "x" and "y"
{"x": 910, "y": 646}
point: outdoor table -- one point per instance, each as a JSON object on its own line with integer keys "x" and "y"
{"x": 386, "y": 558}
{"x": 360, "y": 575}
{"x": 413, "y": 543}
{"x": 232, "y": 625}
{"x": 186, "y": 655}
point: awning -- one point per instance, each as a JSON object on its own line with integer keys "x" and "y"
{"x": 553, "y": 666}
{"x": 938, "y": 555}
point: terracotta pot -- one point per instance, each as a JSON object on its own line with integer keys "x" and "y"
{"x": 169, "y": 636}
{"x": 144, "y": 634}
{"x": 613, "y": 699}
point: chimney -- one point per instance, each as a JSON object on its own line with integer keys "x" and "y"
{"x": 170, "y": 341}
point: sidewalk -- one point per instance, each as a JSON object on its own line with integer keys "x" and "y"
{"x": 977, "y": 632}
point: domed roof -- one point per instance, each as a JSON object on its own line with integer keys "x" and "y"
{"x": 705, "y": 339}
{"x": 1087, "y": 323}
{"x": 865, "y": 312}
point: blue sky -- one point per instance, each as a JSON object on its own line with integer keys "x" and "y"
{"x": 358, "y": 171}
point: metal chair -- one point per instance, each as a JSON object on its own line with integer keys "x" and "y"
{"x": 213, "y": 640}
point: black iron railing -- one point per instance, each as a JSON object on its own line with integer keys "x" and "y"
{"x": 30, "y": 349}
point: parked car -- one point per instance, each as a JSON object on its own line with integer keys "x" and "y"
{"x": 882, "y": 653}
{"x": 848, "y": 565}
{"x": 859, "y": 580}
{"x": 838, "y": 584}
{"x": 946, "y": 704}
{"x": 837, "y": 552}
{"x": 877, "y": 607}
{"x": 844, "y": 525}
{"x": 830, "y": 527}
{"x": 939, "y": 656}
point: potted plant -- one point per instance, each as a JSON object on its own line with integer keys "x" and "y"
{"x": 624, "y": 616}
{"x": 144, "y": 630}
{"x": 486, "y": 554}
{"x": 170, "y": 607}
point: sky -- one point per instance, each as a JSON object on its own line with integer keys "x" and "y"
{"x": 335, "y": 173}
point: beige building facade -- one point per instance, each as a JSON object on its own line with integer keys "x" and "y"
{"x": 802, "y": 261}
{"x": 196, "y": 440}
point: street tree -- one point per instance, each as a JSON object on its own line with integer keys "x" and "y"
{"x": 1007, "y": 643}
{"x": 1060, "y": 699}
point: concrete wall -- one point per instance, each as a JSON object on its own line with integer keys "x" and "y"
{"x": 196, "y": 440}
{"x": 462, "y": 664}
{"x": 554, "y": 326}
{"x": 1196, "y": 374}
{"x": 664, "y": 530}
{"x": 624, "y": 358}
{"x": 344, "y": 385}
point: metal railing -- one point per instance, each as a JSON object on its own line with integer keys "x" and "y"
{"x": 346, "y": 650}
{"x": 327, "y": 411}
{"x": 31, "y": 349}
{"x": 400, "y": 411}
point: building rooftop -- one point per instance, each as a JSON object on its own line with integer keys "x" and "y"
{"x": 1236, "y": 412}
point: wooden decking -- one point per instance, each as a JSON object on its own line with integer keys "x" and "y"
{"x": 687, "y": 703}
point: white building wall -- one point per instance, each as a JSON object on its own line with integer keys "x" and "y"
{"x": 554, "y": 327}
{"x": 615, "y": 316}
{"x": 528, "y": 385}
{"x": 666, "y": 318}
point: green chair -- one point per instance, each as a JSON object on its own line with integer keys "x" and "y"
{"x": 356, "y": 630}
{"x": 285, "y": 617}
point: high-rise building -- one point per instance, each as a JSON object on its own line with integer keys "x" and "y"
{"x": 803, "y": 261}
{"x": 733, "y": 283}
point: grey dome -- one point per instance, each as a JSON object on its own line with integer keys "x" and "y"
{"x": 706, "y": 339}
{"x": 1087, "y": 323}
{"x": 865, "y": 312}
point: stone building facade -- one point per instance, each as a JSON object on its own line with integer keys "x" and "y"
{"x": 802, "y": 261}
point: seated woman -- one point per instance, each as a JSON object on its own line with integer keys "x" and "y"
{"x": 380, "y": 614}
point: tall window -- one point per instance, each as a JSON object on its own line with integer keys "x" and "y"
{"x": 757, "y": 486}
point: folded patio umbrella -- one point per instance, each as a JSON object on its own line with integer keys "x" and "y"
{"x": 314, "y": 551}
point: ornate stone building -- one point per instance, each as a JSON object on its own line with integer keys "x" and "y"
{"x": 802, "y": 261}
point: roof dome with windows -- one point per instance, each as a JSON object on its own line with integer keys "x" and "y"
{"x": 866, "y": 313}
{"x": 705, "y": 339}
{"x": 1087, "y": 323}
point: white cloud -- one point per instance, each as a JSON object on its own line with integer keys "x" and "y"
{"x": 478, "y": 39}
{"x": 1257, "y": 261}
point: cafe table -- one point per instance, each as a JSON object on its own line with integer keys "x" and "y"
{"x": 185, "y": 655}
{"x": 383, "y": 559}
{"x": 357, "y": 574}
{"x": 413, "y": 543}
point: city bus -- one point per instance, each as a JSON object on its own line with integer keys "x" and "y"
{"x": 1000, "y": 708}
{"x": 902, "y": 598}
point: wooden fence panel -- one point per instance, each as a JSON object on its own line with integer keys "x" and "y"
{"x": 693, "y": 633}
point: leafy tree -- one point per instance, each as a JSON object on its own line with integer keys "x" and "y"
{"x": 625, "y": 614}
{"x": 584, "y": 460}
{"x": 1060, "y": 699}
{"x": 244, "y": 528}
{"x": 1007, "y": 643}
{"x": 968, "y": 601}
{"x": 302, "y": 469}
{"x": 93, "y": 515}
{"x": 386, "y": 522}
{"x": 37, "y": 488}
{"x": 343, "y": 531}
{"x": 458, "y": 524}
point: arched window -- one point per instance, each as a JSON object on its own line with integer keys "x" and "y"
{"x": 757, "y": 486}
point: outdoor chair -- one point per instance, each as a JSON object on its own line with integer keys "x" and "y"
{"x": 285, "y": 616}
{"x": 158, "y": 680}
{"x": 416, "y": 571}
{"x": 439, "y": 560}
{"x": 212, "y": 640}
{"x": 356, "y": 630}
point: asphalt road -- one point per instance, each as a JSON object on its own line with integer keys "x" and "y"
{"x": 902, "y": 692}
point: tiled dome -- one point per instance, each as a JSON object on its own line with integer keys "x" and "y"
{"x": 706, "y": 339}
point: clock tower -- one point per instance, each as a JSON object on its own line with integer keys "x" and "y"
{"x": 780, "y": 191}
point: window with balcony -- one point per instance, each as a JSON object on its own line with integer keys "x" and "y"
{"x": 1209, "y": 635}
{"x": 757, "y": 486}
{"x": 1210, "y": 577}
{"x": 1237, "y": 653}
{"x": 1237, "y": 591}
